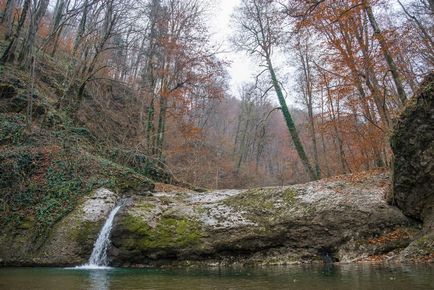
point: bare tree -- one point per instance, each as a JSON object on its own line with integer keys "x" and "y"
{"x": 303, "y": 51}
{"x": 387, "y": 54}
{"x": 259, "y": 29}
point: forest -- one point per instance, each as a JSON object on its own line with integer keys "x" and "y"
{"x": 198, "y": 144}
{"x": 147, "y": 78}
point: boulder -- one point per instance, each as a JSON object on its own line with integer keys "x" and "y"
{"x": 71, "y": 240}
{"x": 325, "y": 221}
{"x": 412, "y": 143}
{"x": 413, "y": 147}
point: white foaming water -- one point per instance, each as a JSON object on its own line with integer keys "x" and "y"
{"x": 99, "y": 259}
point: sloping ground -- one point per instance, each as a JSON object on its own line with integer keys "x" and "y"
{"x": 342, "y": 220}
{"x": 46, "y": 170}
{"x": 42, "y": 179}
{"x": 51, "y": 212}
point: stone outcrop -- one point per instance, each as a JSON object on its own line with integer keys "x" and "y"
{"x": 71, "y": 240}
{"x": 413, "y": 146}
{"x": 343, "y": 219}
{"x": 334, "y": 220}
{"x": 413, "y": 167}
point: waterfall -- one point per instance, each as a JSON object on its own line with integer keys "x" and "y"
{"x": 99, "y": 258}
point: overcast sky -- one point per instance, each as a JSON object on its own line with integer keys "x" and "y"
{"x": 241, "y": 68}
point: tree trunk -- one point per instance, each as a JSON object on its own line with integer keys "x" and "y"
{"x": 371, "y": 80}
{"x": 335, "y": 119}
{"x": 309, "y": 104}
{"x": 81, "y": 27}
{"x": 387, "y": 55}
{"x": 9, "y": 53}
{"x": 243, "y": 147}
{"x": 57, "y": 27}
{"x": 8, "y": 17}
{"x": 150, "y": 126}
{"x": 35, "y": 19}
{"x": 290, "y": 123}
{"x": 161, "y": 127}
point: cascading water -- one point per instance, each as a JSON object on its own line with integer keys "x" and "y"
{"x": 99, "y": 259}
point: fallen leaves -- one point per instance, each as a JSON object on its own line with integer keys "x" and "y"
{"x": 398, "y": 234}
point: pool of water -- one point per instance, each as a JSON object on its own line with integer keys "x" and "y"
{"x": 311, "y": 277}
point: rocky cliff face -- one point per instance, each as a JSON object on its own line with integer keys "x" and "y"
{"x": 413, "y": 146}
{"x": 334, "y": 220}
{"x": 344, "y": 219}
{"x": 413, "y": 168}
{"x": 70, "y": 241}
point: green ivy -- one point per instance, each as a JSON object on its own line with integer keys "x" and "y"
{"x": 12, "y": 129}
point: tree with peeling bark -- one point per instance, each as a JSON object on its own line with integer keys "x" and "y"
{"x": 259, "y": 32}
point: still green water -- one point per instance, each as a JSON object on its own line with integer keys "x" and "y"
{"x": 333, "y": 277}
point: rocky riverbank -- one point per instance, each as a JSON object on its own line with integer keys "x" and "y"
{"x": 343, "y": 219}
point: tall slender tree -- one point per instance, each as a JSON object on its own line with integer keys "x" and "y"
{"x": 259, "y": 29}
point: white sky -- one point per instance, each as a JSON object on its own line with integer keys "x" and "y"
{"x": 242, "y": 68}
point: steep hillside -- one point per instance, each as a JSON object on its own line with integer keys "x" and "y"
{"x": 48, "y": 165}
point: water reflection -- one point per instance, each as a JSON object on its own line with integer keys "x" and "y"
{"x": 99, "y": 279}
{"x": 308, "y": 277}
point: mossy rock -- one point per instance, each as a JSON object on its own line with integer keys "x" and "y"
{"x": 420, "y": 249}
{"x": 85, "y": 235}
{"x": 169, "y": 234}
{"x": 261, "y": 204}
{"x": 132, "y": 183}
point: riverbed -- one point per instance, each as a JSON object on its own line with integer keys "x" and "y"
{"x": 360, "y": 276}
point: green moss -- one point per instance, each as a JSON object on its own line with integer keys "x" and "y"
{"x": 425, "y": 245}
{"x": 256, "y": 198}
{"x": 263, "y": 198}
{"x": 27, "y": 223}
{"x": 264, "y": 205}
{"x": 145, "y": 206}
{"x": 168, "y": 234}
{"x": 85, "y": 235}
{"x": 289, "y": 196}
{"x": 85, "y": 232}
